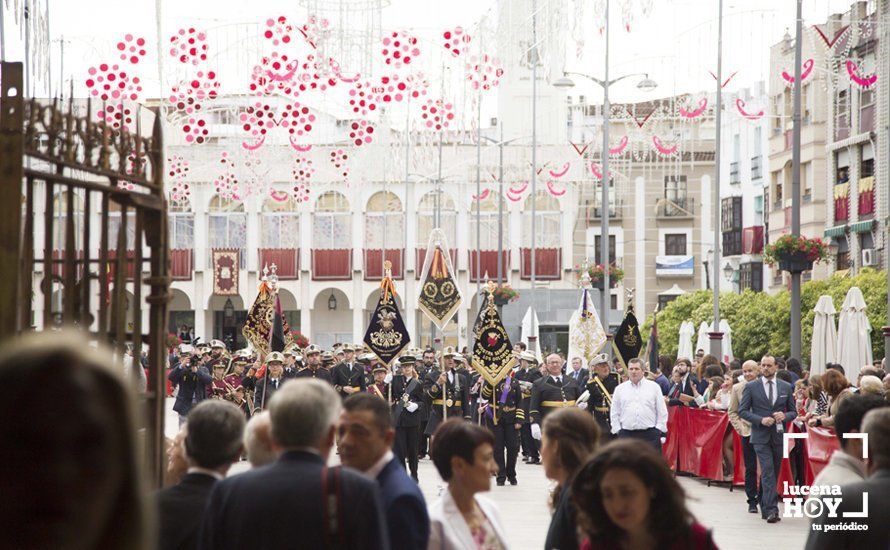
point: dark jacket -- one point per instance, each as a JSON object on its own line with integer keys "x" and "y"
{"x": 406, "y": 518}
{"x": 686, "y": 388}
{"x": 321, "y": 373}
{"x": 281, "y": 506}
{"x": 548, "y": 396}
{"x": 878, "y": 520}
{"x": 180, "y": 511}
{"x": 404, "y": 393}
{"x": 265, "y": 389}
{"x": 456, "y": 393}
{"x": 562, "y": 534}
{"x": 342, "y": 376}
{"x": 192, "y": 386}
{"x": 754, "y": 406}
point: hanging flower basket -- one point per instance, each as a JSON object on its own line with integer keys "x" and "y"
{"x": 597, "y": 272}
{"x": 795, "y": 254}
{"x": 299, "y": 339}
{"x": 505, "y": 294}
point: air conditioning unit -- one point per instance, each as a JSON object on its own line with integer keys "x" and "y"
{"x": 868, "y": 257}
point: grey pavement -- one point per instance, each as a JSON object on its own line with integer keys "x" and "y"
{"x": 524, "y": 508}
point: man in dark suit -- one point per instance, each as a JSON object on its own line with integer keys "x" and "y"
{"x": 578, "y": 373}
{"x": 348, "y": 377}
{"x": 213, "y": 442}
{"x": 768, "y": 403}
{"x": 192, "y": 379}
{"x": 297, "y": 501}
{"x": 365, "y": 441}
{"x": 876, "y": 424}
{"x": 680, "y": 392}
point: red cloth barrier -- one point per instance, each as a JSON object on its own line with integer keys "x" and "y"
{"x": 694, "y": 445}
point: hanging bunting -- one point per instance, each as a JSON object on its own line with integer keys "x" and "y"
{"x": 492, "y": 351}
{"x": 806, "y": 70}
{"x": 560, "y": 173}
{"x": 662, "y": 149}
{"x": 482, "y": 196}
{"x": 618, "y": 149}
{"x": 837, "y": 36}
{"x": 440, "y": 295}
{"x": 694, "y": 112}
{"x": 386, "y": 336}
{"x": 556, "y": 192}
{"x": 740, "y": 106}
{"x": 865, "y": 82}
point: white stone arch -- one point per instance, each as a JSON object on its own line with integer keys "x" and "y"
{"x": 330, "y": 326}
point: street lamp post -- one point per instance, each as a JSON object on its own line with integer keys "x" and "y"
{"x": 646, "y": 85}
{"x": 795, "y": 181}
{"x": 715, "y": 334}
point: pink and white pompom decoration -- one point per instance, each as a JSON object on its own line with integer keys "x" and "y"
{"x": 484, "y": 72}
{"x": 456, "y": 41}
{"x": 275, "y": 73}
{"x": 297, "y": 118}
{"x": 338, "y": 160}
{"x": 189, "y": 46}
{"x": 302, "y": 171}
{"x": 189, "y": 95}
{"x": 399, "y": 49}
{"x": 226, "y": 183}
{"x": 177, "y": 170}
{"x": 131, "y": 49}
{"x": 196, "y": 130}
{"x": 279, "y": 31}
{"x": 360, "y": 132}
{"x": 436, "y": 114}
{"x": 361, "y": 99}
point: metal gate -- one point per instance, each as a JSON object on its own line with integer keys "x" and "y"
{"x": 66, "y": 180}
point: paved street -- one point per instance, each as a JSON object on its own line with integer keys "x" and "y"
{"x": 524, "y": 508}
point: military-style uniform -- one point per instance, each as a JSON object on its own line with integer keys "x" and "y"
{"x": 348, "y": 375}
{"x": 529, "y": 445}
{"x": 406, "y": 445}
{"x": 600, "y": 402}
{"x": 550, "y": 394}
{"x": 320, "y": 373}
{"x": 265, "y": 389}
{"x": 503, "y": 412}
{"x": 422, "y": 370}
{"x": 455, "y": 398}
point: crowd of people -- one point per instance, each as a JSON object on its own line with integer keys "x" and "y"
{"x": 596, "y": 430}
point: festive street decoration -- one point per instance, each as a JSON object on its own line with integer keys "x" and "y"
{"x": 226, "y": 183}
{"x": 399, "y": 49}
{"x": 456, "y": 41}
{"x": 806, "y": 69}
{"x": 189, "y": 46}
{"x": 484, "y": 72}
{"x": 725, "y": 82}
{"x": 177, "y": 171}
{"x": 740, "y": 107}
{"x": 437, "y": 114}
{"x": 865, "y": 82}
{"x": 662, "y": 149}
{"x": 303, "y": 170}
{"x": 694, "y": 112}
{"x": 338, "y": 160}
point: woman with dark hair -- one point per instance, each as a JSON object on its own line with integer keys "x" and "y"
{"x": 837, "y": 387}
{"x": 464, "y": 456}
{"x": 70, "y": 473}
{"x": 568, "y": 439}
{"x": 626, "y": 497}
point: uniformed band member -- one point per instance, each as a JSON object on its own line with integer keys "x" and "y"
{"x": 219, "y": 388}
{"x": 448, "y": 392}
{"x": 527, "y": 375}
{"x": 503, "y": 415}
{"x": 423, "y": 369}
{"x": 291, "y": 366}
{"x": 269, "y": 384}
{"x": 407, "y": 395}
{"x": 552, "y": 392}
{"x": 313, "y": 366}
{"x": 217, "y": 354}
{"x": 600, "y": 387}
{"x": 379, "y": 387}
{"x": 348, "y": 377}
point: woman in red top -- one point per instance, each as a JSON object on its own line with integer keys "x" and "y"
{"x": 626, "y": 498}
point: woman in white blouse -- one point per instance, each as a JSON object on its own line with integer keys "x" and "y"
{"x": 461, "y": 519}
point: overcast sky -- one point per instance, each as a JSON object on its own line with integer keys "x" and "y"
{"x": 676, "y": 43}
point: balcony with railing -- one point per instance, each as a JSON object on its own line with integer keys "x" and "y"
{"x": 679, "y": 207}
{"x": 548, "y": 264}
{"x": 735, "y": 176}
{"x": 331, "y": 264}
{"x": 485, "y": 262}
{"x": 757, "y": 167}
{"x": 286, "y": 260}
{"x": 373, "y": 263}
{"x": 593, "y": 210}
{"x": 732, "y": 242}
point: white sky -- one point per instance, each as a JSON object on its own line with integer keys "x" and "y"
{"x": 676, "y": 44}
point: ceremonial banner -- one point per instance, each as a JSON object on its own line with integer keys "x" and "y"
{"x": 386, "y": 335}
{"x": 628, "y": 341}
{"x": 439, "y": 294}
{"x": 586, "y": 334}
{"x": 492, "y": 352}
{"x": 225, "y": 272}
{"x": 262, "y": 315}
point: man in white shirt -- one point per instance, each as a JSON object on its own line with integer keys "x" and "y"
{"x": 638, "y": 408}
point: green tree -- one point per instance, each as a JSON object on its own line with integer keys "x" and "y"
{"x": 760, "y": 322}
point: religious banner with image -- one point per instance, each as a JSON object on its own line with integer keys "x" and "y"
{"x": 440, "y": 296}
{"x": 387, "y": 335}
{"x": 628, "y": 341}
{"x": 225, "y": 272}
{"x": 492, "y": 352}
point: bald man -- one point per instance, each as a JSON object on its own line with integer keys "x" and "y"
{"x": 750, "y": 371}
{"x": 551, "y": 392}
